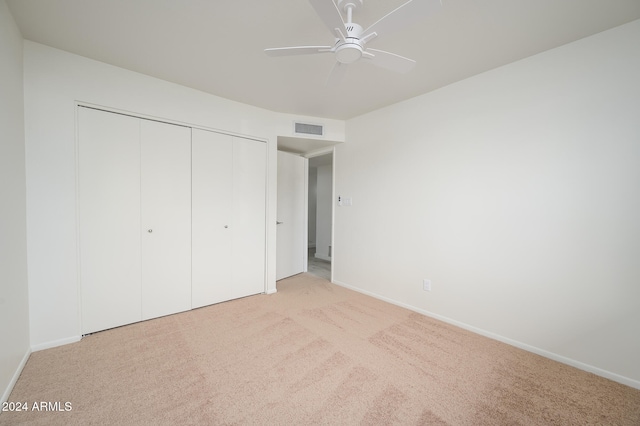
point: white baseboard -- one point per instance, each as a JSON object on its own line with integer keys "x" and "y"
{"x": 272, "y": 291}
{"x": 323, "y": 257}
{"x": 542, "y": 352}
{"x": 55, "y": 343}
{"x": 14, "y": 378}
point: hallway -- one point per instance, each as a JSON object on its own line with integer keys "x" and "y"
{"x": 318, "y": 267}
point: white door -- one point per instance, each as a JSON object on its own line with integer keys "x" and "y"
{"x": 249, "y": 216}
{"x": 109, "y": 215}
{"x": 212, "y": 170}
{"x": 291, "y": 238}
{"x": 166, "y": 218}
{"x": 135, "y": 219}
{"x": 229, "y": 205}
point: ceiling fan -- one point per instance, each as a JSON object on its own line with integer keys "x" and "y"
{"x": 351, "y": 38}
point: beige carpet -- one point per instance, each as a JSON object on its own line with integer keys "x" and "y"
{"x": 314, "y": 353}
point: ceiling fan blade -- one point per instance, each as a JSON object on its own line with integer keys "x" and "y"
{"x": 403, "y": 16}
{"x": 329, "y": 13}
{"x": 389, "y": 61}
{"x": 336, "y": 75}
{"x": 297, "y": 50}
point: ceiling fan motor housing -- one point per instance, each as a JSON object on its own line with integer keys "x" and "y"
{"x": 350, "y": 50}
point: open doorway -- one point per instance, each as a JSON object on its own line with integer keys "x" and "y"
{"x": 320, "y": 196}
{"x": 309, "y": 246}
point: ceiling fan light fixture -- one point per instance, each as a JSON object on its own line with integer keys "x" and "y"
{"x": 348, "y": 53}
{"x": 350, "y": 38}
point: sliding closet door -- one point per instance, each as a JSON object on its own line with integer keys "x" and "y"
{"x": 166, "y": 218}
{"x": 109, "y": 217}
{"x": 249, "y": 233}
{"x": 212, "y": 218}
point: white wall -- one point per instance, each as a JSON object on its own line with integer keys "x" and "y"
{"x": 312, "y": 214}
{"x": 14, "y": 308}
{"x": 517, "y": 192}
{"x": 324, "y": 186}
{"x": 54, "y": 82}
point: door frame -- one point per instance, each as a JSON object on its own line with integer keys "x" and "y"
{"x": 325, "y": 151}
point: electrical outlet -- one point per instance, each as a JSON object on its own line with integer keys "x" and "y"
{"x": 426, "y": 285}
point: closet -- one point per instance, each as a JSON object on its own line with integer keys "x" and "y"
{"x": 170, "y": 218}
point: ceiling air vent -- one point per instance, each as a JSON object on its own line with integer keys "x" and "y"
{"x": 308, "y": 129}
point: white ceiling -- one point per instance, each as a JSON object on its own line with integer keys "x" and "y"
{"x": 217, "y": 45}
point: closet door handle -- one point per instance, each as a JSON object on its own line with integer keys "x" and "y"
{"x": 279, "y": 223}
{"x": 226, "y": 226}
{"x": 150, "y": 231}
